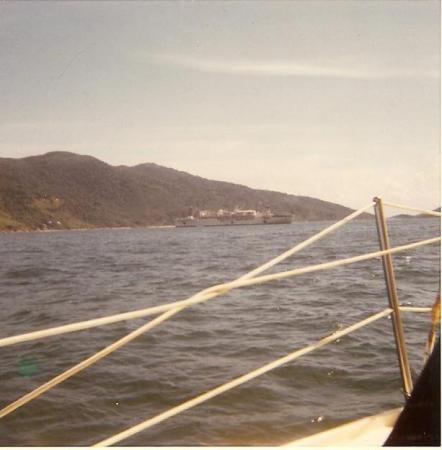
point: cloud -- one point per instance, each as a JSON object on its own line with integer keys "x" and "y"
{"x": 287, "y": 68}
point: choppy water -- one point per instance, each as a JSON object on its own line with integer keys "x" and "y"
{"x": 48, "y": 279}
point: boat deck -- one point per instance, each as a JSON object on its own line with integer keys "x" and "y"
{"x": 368, "y": 431}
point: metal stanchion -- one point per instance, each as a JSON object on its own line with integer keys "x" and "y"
{"x": 390, "y": 281}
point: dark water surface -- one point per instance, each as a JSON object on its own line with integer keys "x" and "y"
{"x": 49, "y": 279}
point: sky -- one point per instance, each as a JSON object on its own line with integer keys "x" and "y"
{"x": 338, "y": 100}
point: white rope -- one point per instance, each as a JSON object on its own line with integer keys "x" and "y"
{"x": 309, "y": 241}
{"x": 83, "y": 364}
{"x": 423, "y": 211}
{"x": 198, "y": 298}
{"x": 326, "y": 266}
{"x": 238, "y": 381}
{"x": 78, "y": 326}
{"x": 414, "y": 309}
{"x": 69, "y": 328}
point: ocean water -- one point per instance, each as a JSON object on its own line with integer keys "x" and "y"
{"x": 48, "y": 279}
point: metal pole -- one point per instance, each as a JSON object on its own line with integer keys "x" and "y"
{"x": 390, "y": 281}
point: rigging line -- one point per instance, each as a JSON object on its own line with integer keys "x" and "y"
{"x": 309, "y": 241}
{"x": 77, "y": 326}
{"x": 85, "y": 363}
{"x": 238, "y": 381}
{"x": 415, "y": 309}
{"x": 327, "y": 265}
{"x": 204, "y": 295}
{"x": 409, "y": 208}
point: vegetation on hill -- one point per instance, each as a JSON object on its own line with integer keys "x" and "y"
{"x": 60, "y": 190}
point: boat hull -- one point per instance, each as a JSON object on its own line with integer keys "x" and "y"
{"x": 229, "y": 221}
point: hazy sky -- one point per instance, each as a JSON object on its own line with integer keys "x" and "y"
{"x": 335, "y": 100}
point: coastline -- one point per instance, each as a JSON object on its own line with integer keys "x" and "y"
{"x": 395, "y": 218}
{"x": 85, "y": 229}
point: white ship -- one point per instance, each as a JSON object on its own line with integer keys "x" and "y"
{"x": 236, "y": 217}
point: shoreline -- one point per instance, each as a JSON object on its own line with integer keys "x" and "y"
{"x": 86, "y": 229}
{"x": 150, "y": 227}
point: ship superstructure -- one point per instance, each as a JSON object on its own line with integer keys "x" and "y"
{"x": 222, "y": 217}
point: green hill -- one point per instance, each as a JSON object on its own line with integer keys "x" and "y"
{"x": 66, "y": 190}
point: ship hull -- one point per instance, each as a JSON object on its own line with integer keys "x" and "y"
{"x": 228, "y": 221}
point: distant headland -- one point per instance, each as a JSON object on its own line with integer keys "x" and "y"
{"x": 62, "y": 190}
